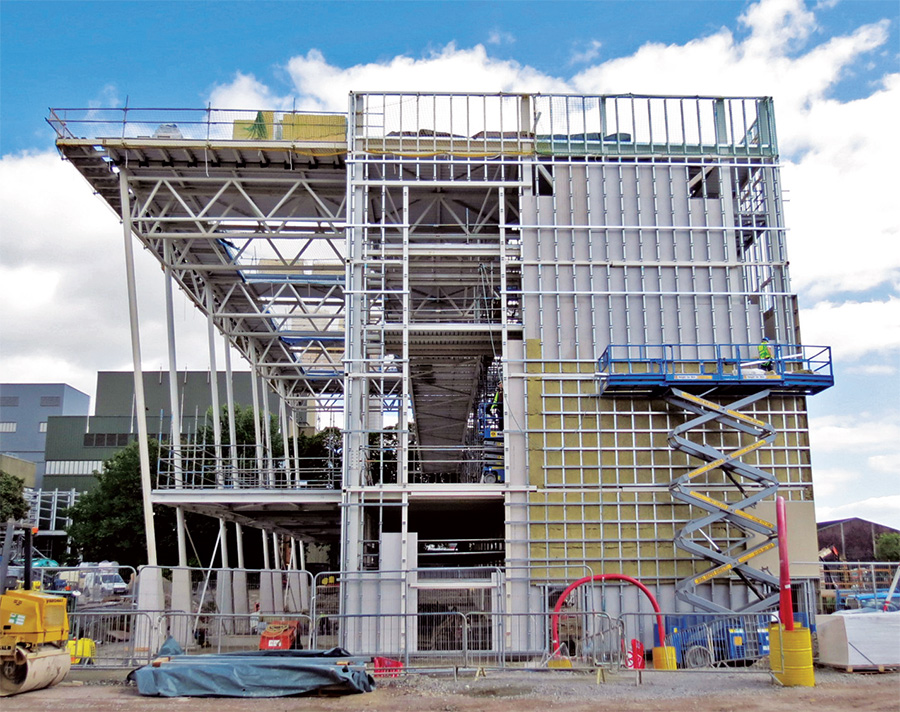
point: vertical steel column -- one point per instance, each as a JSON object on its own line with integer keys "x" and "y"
{"x": 214, "y": 385}
{"x": 285, "y": 440}
{"x": 217, "y": 425}
{"x": 175, "y": 435}
{"x": 232, "y": 426}
{"x": 406, "y": 389}
{"x": 239, "y": 541}
{"x": 257, "y": 430}
{"x": 355, "y": 369}
{"x": 140, "y": 404}
{"x": 276, "y": 547}
{"x": 267, "y": 434}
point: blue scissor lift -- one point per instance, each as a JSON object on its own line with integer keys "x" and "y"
{"x": 490, "y": 433}
{"x": 687, "y": 376}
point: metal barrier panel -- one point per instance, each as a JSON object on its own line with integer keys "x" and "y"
{"x": 850, "y": 585}
{"x": 416, "y": 639}
{"x": 586, "y": 639}
{"x": 236, "y": 592}
{"x": 111, "y": 639}
{"x": 225, "y": 633}
{"x": 92, "y": 585}
{"x": 711, "y": 640}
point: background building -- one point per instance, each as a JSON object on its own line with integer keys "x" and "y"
{"x": 77, "y": 445}
{"x": 610, "y": 262}
{"x": 853, "y": 539}
{"x": 24, "y": 412}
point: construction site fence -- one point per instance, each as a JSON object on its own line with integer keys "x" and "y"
{"x": 443, "y": 640}
{"x": 700, "y": 641}
{"x": 278, "y": 591}
{"x": 855, "y": 584}
{"x": 436, "y": 641}
{"x": 99, "y": 585}
{"x": 113, "y": 639}
{"x": 236, "y": 591}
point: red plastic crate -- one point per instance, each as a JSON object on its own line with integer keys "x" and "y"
{"x": 387, "y": 667}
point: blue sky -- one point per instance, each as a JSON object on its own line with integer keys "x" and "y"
{"x": 832, "y": 66}
{"x": 170, "y": 54}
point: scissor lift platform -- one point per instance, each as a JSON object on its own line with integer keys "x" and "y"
{"x": 685, "y": 375}
{"x": 654, "y": 369}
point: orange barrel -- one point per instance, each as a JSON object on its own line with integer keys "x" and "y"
{"x": 791, "y": 660}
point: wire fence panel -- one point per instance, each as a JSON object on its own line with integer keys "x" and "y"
{"x": 234, "y": 591}
{"x": 202, "y": 633}
{"x": 112, "y": 639}
{"x": 851, "y": 585}
{"x": 710, "y": 640}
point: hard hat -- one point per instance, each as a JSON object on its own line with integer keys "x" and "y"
{"x": 765, "y": 338}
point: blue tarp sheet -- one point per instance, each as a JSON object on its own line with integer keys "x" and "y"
{"x": 265, "y": 673}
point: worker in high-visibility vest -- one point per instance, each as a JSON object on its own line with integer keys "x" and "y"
{"x": 765, "y": 354}
{"x": 497, "y": 406}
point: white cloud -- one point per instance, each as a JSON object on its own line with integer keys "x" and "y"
{"x": 854, "y": 329}
{"x": 28, "y": 289}
{"x": 325, "y": 87}
{"x": 889, "y": 464}
{"x": 246, "y": 92}
{"x": 877, "y": 433}
{"x": 841, "y": 197}
{"x": 63, "y": 303}
{"x": 775, "y": 24}
{"x": 881, "y": 510}
{"x": 107, "y": 97}
{"x": 498, "y": 37}
{"x": 873, "y": 369}
{"x": 589, "y": 54}
{"x": 828, "y": 481}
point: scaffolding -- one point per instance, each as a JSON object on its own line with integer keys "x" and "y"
{"x": 397, "y": 265}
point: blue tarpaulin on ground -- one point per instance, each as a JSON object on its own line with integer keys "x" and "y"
{"x": 264, "y": 673}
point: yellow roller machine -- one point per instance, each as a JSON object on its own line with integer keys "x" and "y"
{"x": 34, "y": 630}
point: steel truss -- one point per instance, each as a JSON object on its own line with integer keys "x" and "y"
{"x": 236, "y": 246}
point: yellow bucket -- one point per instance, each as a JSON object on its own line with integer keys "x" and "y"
{"x": 664, "y": 658}
{"x": 792, "y": 660}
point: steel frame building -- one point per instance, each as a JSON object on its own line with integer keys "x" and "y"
{"x": 612, "y": 261}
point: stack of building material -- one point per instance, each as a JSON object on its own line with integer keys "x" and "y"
{"x": 859, "y": 641}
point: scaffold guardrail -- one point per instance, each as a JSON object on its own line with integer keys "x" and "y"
{"x": 656, "y": 367}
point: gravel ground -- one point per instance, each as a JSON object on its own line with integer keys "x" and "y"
{"x": 504, "y": 691}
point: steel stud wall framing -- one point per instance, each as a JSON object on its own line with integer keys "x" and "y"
{"x": 459, "y": 240}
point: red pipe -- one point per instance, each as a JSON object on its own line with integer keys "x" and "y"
{"x": 603, "y": 577}
{"x": 785, "y": 609}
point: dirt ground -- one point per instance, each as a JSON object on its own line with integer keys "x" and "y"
{"x": 100, "y": 691}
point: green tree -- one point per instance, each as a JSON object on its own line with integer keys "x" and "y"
{"x": 108, "y": 522}
{"x": 887, "y": 547}
{"x": 12, "y": 498}
{"x": 244, "y": 428}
